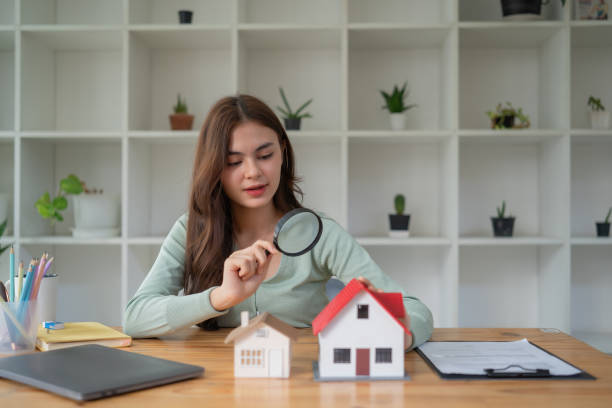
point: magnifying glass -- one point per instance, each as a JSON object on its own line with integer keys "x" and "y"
{"x": 297, "y": 232}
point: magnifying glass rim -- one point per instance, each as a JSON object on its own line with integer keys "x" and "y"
{"x": 285, "y": 218}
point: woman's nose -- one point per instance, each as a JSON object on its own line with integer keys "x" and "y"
{"x": 251, "y": 168}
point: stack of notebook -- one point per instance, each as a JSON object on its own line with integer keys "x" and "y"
{"x": 80, "y": 333}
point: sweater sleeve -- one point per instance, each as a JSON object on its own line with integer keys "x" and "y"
{"x": 341, "y": 255}
{"x": 156, "y": 308}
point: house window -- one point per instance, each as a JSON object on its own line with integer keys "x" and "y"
{"x": 342, "y": 355}
{"x": 251, "y": 358}
{"x": 261, "y": 333}
{"x": 362, "y": 311}
{"x": 383, "y": 355}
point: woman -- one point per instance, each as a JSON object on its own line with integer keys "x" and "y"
{"x": 243, "y": 183}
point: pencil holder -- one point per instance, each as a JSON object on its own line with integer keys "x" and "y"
{"x": 18, "y": 327}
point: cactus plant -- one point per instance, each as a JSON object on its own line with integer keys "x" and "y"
{"x": 181, "y": 106}
{"x": 400, "y": 204}
{"x": 501, "y": 211}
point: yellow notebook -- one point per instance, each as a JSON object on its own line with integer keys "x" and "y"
{"x": 79, "y": 333}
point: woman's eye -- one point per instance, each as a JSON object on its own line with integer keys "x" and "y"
{"x": 266, "y": 156}
{"x": 234, "y": 163}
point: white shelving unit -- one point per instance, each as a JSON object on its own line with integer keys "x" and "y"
{"x": 86, "y": 87}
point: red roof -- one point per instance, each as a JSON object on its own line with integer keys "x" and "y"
{"x": 393, "y": 303}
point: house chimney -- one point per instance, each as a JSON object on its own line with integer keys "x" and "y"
{"x": 244, "y": 318}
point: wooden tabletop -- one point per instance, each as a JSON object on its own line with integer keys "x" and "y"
{"x": 218, "y": 387}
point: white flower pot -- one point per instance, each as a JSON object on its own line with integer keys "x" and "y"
{"x": 600, "y": 120}
{"x": 398, "y": 121}
{"x": 96, "y": 215}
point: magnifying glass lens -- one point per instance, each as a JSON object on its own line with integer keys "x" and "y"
{"x": 299, "y": 233}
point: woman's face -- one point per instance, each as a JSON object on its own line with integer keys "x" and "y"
{"x": 253, "y": 166}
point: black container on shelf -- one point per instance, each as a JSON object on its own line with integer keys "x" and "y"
{"x": 399, "y": 222}
{"x": 185, "y": 16}
{"x": 511, "y": 7}
{"x": 293, "y": 123}
{"x": 502, "y": 227}
{"x": 508, "y": 121}
{"x": 603, "y": 229}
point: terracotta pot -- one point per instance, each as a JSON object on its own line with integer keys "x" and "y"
{"x": 181, "y": 121}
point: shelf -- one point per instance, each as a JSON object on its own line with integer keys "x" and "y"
{"x": 587, "y": 241}
{"x": 180, "y": 38}
{"x": 69, "y": 38}
{"x": 162, "y": 12}
{"x": 289, "y": 37}
{"x": 383, "y": 136}
{"x": 68, "y": 240}
{"x": 399, "y": 12}
{"x": 591, "y": 34}
{"x": 89, "y": 136}
{"x": 510, "y": 135}
{"x": 393, "y": 37}
{"x": 602, "y": 341}
{"x": 507, "y": 35}
{"x": 412, "y": 241}
{"x": 271, "y": 12}
{"x": 510, "y": 241}
{"x": 155, "y": 241}
{"x": 61, "y": 12}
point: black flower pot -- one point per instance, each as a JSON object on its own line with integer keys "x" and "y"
{"x": 603, "y": 229}
{"x": 185, "y": 16}
{"x": 292, "y": 123}
{"x": 508, "y": 121}
{"x": 511, "y": 7}
{"x": 502, "y": 227}
{"x": 399, "y": 225}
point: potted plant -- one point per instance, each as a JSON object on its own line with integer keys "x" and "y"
{"x": 399, "y": 224}
{"x": 523, "y": 9}
{"x": 505, "y": 117}
{"x": 95, "y": 214}
{"x": 292, "y": 119}
{"x": 185, "y": 16}
{"x": 600, "y": 119}
{"x": 181, "y": 120}
{"x": 603, "y": 228}
{"x": 394, "y": 103}
{"x": 502, "y": 225}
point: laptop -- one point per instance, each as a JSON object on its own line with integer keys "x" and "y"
{"x": 92, "y": 371}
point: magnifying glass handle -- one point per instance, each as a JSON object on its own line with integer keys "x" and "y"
{"x": 267, "y": 252}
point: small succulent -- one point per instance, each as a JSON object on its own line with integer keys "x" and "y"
{"x": 606, "y": 221}
{"x": 400, "y": 204}
{"x": 501, "y": 211}
{"x": 288, "y": 113}
{"x": 181, "y": 106}
{"x": 595, "y": 104}
{"x": 394, "y": 102}
{"x": 501, "y": 113}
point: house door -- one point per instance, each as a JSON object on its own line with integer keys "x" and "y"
{"x": 275, "y": 363}
{"x": 363, "y": 362}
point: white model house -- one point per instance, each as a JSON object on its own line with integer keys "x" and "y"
{"x": 262, "y": 346}
{"x": 360, "y": 334}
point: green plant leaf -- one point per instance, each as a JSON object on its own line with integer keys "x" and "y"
{"x": 58, "y": 216}
{"x": 60, "y": 203}
{"x": 45, "y": 210}
{"x": 282, "y": 92}
{"x": 297, "y": 112}
{"x": 3, "y": 227}
{"x": 284, "y": 112}
{"x": 71, "y": 185}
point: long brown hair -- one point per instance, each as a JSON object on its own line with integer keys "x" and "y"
{"x": 209, "y": 225}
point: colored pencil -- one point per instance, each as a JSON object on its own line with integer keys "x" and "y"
{"x": 19, "y": 281}
{"x": 12, "y": 274}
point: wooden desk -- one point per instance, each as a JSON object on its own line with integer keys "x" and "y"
{"x": 219, "y": 388}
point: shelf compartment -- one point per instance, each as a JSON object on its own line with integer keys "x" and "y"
{"x": 7, "y": 12}
{"x": 536, "y": 194}
{"x": 591, "y": 283}
{"x": 61, "y": 72}
{"x": 514, "y": 63}
{"x": 140, "y": 259}
{"x": 591, "y": 185}
{"x": 422, "y": 171}
{"x": 81, "y": 12}
{"x": 7, "y": 80}
{"x": 423, "y": 272}
{"x": 7, "y": 182}
{"x": 514, "y": 287}
{"x": 164, "y": 12}
{"x": 163, "y": 63}
{"x": 89, "y": 286}
{"x": 485, "y": 10}
{"x": 399, "y": 11}
{"x": 305, "y": 62}
{"x": 315, "y": 12}
{"x": 159, "y": 178}
{"x": 591, "y": 58}
{"x": 381, "y": 58}
{"x": 45, "y": 162}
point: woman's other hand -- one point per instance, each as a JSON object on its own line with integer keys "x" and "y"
{"x": 243, "y": 272}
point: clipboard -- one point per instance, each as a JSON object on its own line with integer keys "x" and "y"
{"x": 505, "y": 374}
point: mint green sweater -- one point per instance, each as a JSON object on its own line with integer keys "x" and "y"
{"x": 295, "y": 294}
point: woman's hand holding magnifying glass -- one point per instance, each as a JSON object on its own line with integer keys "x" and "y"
{"x": 243, "y": 272}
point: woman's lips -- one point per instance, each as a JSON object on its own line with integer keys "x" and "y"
{"x": 256, "y": 192}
